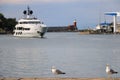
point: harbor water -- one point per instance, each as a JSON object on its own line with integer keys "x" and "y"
{"x": 77, "y": 55}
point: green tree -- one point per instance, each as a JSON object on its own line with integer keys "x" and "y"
{"x": 2, "y": 21}
{"x": 10, "y": 24}
{"x": 7, "y": 24}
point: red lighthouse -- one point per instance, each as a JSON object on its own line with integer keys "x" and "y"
{"x": 73, "y": 27}
{"x": 75, "y": 24}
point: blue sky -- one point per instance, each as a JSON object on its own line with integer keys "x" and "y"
{"x": 88, "y": 13}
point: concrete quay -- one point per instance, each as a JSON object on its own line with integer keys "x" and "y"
{"x": 59, "y": 78}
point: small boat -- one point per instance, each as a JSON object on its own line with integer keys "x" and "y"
{"x": 29, "y": 26}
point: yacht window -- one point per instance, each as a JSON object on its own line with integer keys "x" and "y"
{"x": 26, "y": 28}
{"x": 31, "y": 22}
{"x": 25, "y": 22}
{"x": 19, "y": 28}
{"x": 34, "y": 22}
{"x": 18, "y": 33}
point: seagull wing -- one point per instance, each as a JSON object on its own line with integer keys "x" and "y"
{"x": 112, "y": 71}
{"x": 59, "y": 72}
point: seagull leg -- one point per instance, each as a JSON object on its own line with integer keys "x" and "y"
{"x": 112, "y": 78}
{"x": 115, "y": 78}
{"x": 109, "y": 77}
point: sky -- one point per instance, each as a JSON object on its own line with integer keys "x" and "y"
{"x": 88, "y": 13}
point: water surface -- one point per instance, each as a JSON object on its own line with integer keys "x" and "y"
{"x": 77, "y": 55}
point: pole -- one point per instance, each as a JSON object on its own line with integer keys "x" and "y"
{"x": 114, "y": 23}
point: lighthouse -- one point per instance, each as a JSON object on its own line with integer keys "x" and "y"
{"x": 75, "y": 24}
{"x": 73, "y": 27}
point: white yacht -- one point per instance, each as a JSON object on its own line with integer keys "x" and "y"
{"x": 29, "y": 26}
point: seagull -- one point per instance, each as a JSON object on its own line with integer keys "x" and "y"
{"x": 110, "y": 71}
{"x": 57, "y": 71}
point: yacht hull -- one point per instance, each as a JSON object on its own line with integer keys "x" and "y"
{"x": 30, "y": 34}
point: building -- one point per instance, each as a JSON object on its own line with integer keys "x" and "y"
{"x": 118, "y": 27}
{"x": 57, "y": 29}
{"x": 107, "y": 28}
{"x": 104, "y": 28}
{"x": 73, "y": 27}
{"x": 68, "y": 28}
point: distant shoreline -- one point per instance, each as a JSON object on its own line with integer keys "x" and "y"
{"x": 3, "y": 33}
{"x": 80, "y": 32}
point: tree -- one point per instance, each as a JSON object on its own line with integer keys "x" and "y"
{"x": 7, "y": 24}
{"x": 2, "y": 21}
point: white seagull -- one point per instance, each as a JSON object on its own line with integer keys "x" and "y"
{"x": 57, "y": 71}
{"x": 110, "y": 71}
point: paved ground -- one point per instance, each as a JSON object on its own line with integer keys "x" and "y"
{"x": 58, "y": 79}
